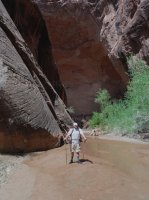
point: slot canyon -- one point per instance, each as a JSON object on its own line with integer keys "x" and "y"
{"x": 58, "y": 54}
{"x": 57, "y": 140}
{"x": 82, "y": 61}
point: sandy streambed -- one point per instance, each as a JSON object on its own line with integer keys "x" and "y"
{"x": 111, "y": 170}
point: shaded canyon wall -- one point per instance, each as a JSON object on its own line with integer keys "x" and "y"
{"x": 31, "y": 111}
{"x": 84, "y": 66}
{"x": 91, "y": 40}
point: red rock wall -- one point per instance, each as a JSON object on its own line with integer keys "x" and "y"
{"x": 83, "y": 62}
{"x": 84, "y": 31}
{"x": 29, "y": 22}
{"x": 32, "y": 115}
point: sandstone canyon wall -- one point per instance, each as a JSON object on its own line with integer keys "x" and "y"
{"x": 31, "y": 111}
{"x": 91, "y": 40}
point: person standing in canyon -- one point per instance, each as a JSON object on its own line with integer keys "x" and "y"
{"x": 75, "y": 134}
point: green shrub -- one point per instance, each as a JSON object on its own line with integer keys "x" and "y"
{"x": 96, "y": 120}
{"x": 103, "y": 98}
{"x": 130, "y": 115}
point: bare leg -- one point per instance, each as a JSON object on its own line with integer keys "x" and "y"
{"x": 72, "y": 155}
{"x": 78, "y": 156}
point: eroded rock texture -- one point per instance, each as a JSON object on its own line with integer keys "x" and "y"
{"x": 84, "y": 66}
{"x": 31, "y": 111}
{"x": 28, "y": 20}
{"x": 91, "y": 40}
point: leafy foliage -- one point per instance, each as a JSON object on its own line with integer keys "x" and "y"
{"x": 130, "y": 115}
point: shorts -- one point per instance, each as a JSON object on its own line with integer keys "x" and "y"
{"x": 75, "y": 147}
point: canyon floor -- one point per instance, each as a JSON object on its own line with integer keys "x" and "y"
{"x": 111, "y": 170}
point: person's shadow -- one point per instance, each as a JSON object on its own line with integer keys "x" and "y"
{"x": 86, "y": 160}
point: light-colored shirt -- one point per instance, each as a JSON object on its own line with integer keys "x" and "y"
{"x": 75, "y": 134}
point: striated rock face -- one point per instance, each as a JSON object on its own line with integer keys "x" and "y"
{"x": 29, "y": 22}
{"x": 91, "y": 40}
{"x": 31, "y": 111}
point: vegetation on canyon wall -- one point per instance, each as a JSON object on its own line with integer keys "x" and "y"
{"x": 130, "y": 114}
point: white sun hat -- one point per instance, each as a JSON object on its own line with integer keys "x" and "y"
{"x": 75, "y": 124}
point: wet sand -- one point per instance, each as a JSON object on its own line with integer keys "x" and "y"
{"x": 112, "y": 170}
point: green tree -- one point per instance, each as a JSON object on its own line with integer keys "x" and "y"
{"x": 130, "y": 115}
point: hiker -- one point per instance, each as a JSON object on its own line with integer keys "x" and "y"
{"x": 75, "y": 135}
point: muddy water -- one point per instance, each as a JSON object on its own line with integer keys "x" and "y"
{"x": 112, "y": 170}
{"x": 130, "y": 158}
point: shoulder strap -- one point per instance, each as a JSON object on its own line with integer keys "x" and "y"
{"x": 79, "y": 133}
{"x": 71, "y": 133}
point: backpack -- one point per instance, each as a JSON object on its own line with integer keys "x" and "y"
{"x": 70, "y": 138}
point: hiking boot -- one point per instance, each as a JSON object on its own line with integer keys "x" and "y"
{"x": 71, "y": 161}
{"x": 79, "y": 162}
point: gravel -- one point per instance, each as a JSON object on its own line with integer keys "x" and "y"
{"x": 8, "y": 164}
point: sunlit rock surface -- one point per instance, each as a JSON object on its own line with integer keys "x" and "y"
{"x": 91, "y": 40}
